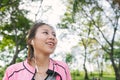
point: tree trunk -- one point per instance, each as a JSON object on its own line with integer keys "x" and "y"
{"x": 98, "y": 67}
{"x": 86, "y": 73}
{"x": 116, "y": 70}
{"x": 101, "y": 73}
{"x": 15, "y": 56}
{"x": 101, "y": 70}
{"x": 84, "y": 66}
{"x": 119, "y": 64}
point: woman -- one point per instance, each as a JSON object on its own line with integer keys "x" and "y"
{"x": 38, "y": 65}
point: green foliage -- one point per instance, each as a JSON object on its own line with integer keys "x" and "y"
{"x": 13, "y": 29}
{"x": 68, "y": 58}
{"x": 66, "y": 21}
{"x": 116, "y": 55}
{"x": 2, "y": 70}
{"x": 92, "y": 23}
{"x": 96, "y": 8}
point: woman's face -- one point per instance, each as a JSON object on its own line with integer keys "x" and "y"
{"x": 45, "y": 40}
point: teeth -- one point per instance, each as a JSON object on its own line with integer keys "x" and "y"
{"x": 51, "y": 44}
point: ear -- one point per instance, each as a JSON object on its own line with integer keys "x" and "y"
{"x": 32, "y": 42}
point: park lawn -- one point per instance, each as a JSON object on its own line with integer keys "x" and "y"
{"x": 105, "y": 77}
{"x": 108, "y": 78}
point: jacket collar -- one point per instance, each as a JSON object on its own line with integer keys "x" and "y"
{"x": 32, "y": 69}
{"x": 51, "y": 70}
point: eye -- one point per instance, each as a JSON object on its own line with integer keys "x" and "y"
{"x": 54, "y": 34}
{"x": 45, "y": 32}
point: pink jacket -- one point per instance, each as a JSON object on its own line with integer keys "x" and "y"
{"x": 23, "y": 71}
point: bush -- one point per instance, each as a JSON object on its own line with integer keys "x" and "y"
{"x": 2, "y": 70}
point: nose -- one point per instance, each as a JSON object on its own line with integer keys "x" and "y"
{"x": 51, "y": 36}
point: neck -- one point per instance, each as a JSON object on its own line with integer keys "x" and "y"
{"x": 41, "y": 60}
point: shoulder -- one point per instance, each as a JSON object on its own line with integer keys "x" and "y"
{"x": 14, "y": 68}
{"x": 60, "y": 63}
{"x": 63, "y": 69}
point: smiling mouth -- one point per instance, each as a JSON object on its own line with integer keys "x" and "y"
{"x": 51, "y": 44}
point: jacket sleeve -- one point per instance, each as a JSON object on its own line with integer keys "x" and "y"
{"x": 68, "y": 73}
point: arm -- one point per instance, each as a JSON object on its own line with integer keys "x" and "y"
{"x": 68, "y": 73}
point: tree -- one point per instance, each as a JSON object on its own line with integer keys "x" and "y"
{"x": 14, "y": 29}
{"x": 96, "y": 13}
{"x": 85, "y": 44}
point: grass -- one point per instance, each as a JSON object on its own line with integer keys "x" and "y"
{"x": 80, "y": 76}
{"x": 104, "y": 78}
{"x": 108, "y": 78}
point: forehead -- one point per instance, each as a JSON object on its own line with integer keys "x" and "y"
{"x": 46, "y": 27}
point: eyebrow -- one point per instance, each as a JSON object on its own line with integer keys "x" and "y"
{"x": 48, "y": 30}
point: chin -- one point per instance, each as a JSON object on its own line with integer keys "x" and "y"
{"x": 50, "y": 52}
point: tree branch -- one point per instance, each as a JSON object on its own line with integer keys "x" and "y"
{"x": 97, "y": 27}
{"x": 38, "y": 9}
{"x": 102, "y": 46}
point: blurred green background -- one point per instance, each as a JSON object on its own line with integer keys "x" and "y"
{"x": 88, "y": 34}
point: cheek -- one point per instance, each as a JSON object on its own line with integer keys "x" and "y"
{"x": 40, "y": 37}
{"x": 38, "y": 41}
